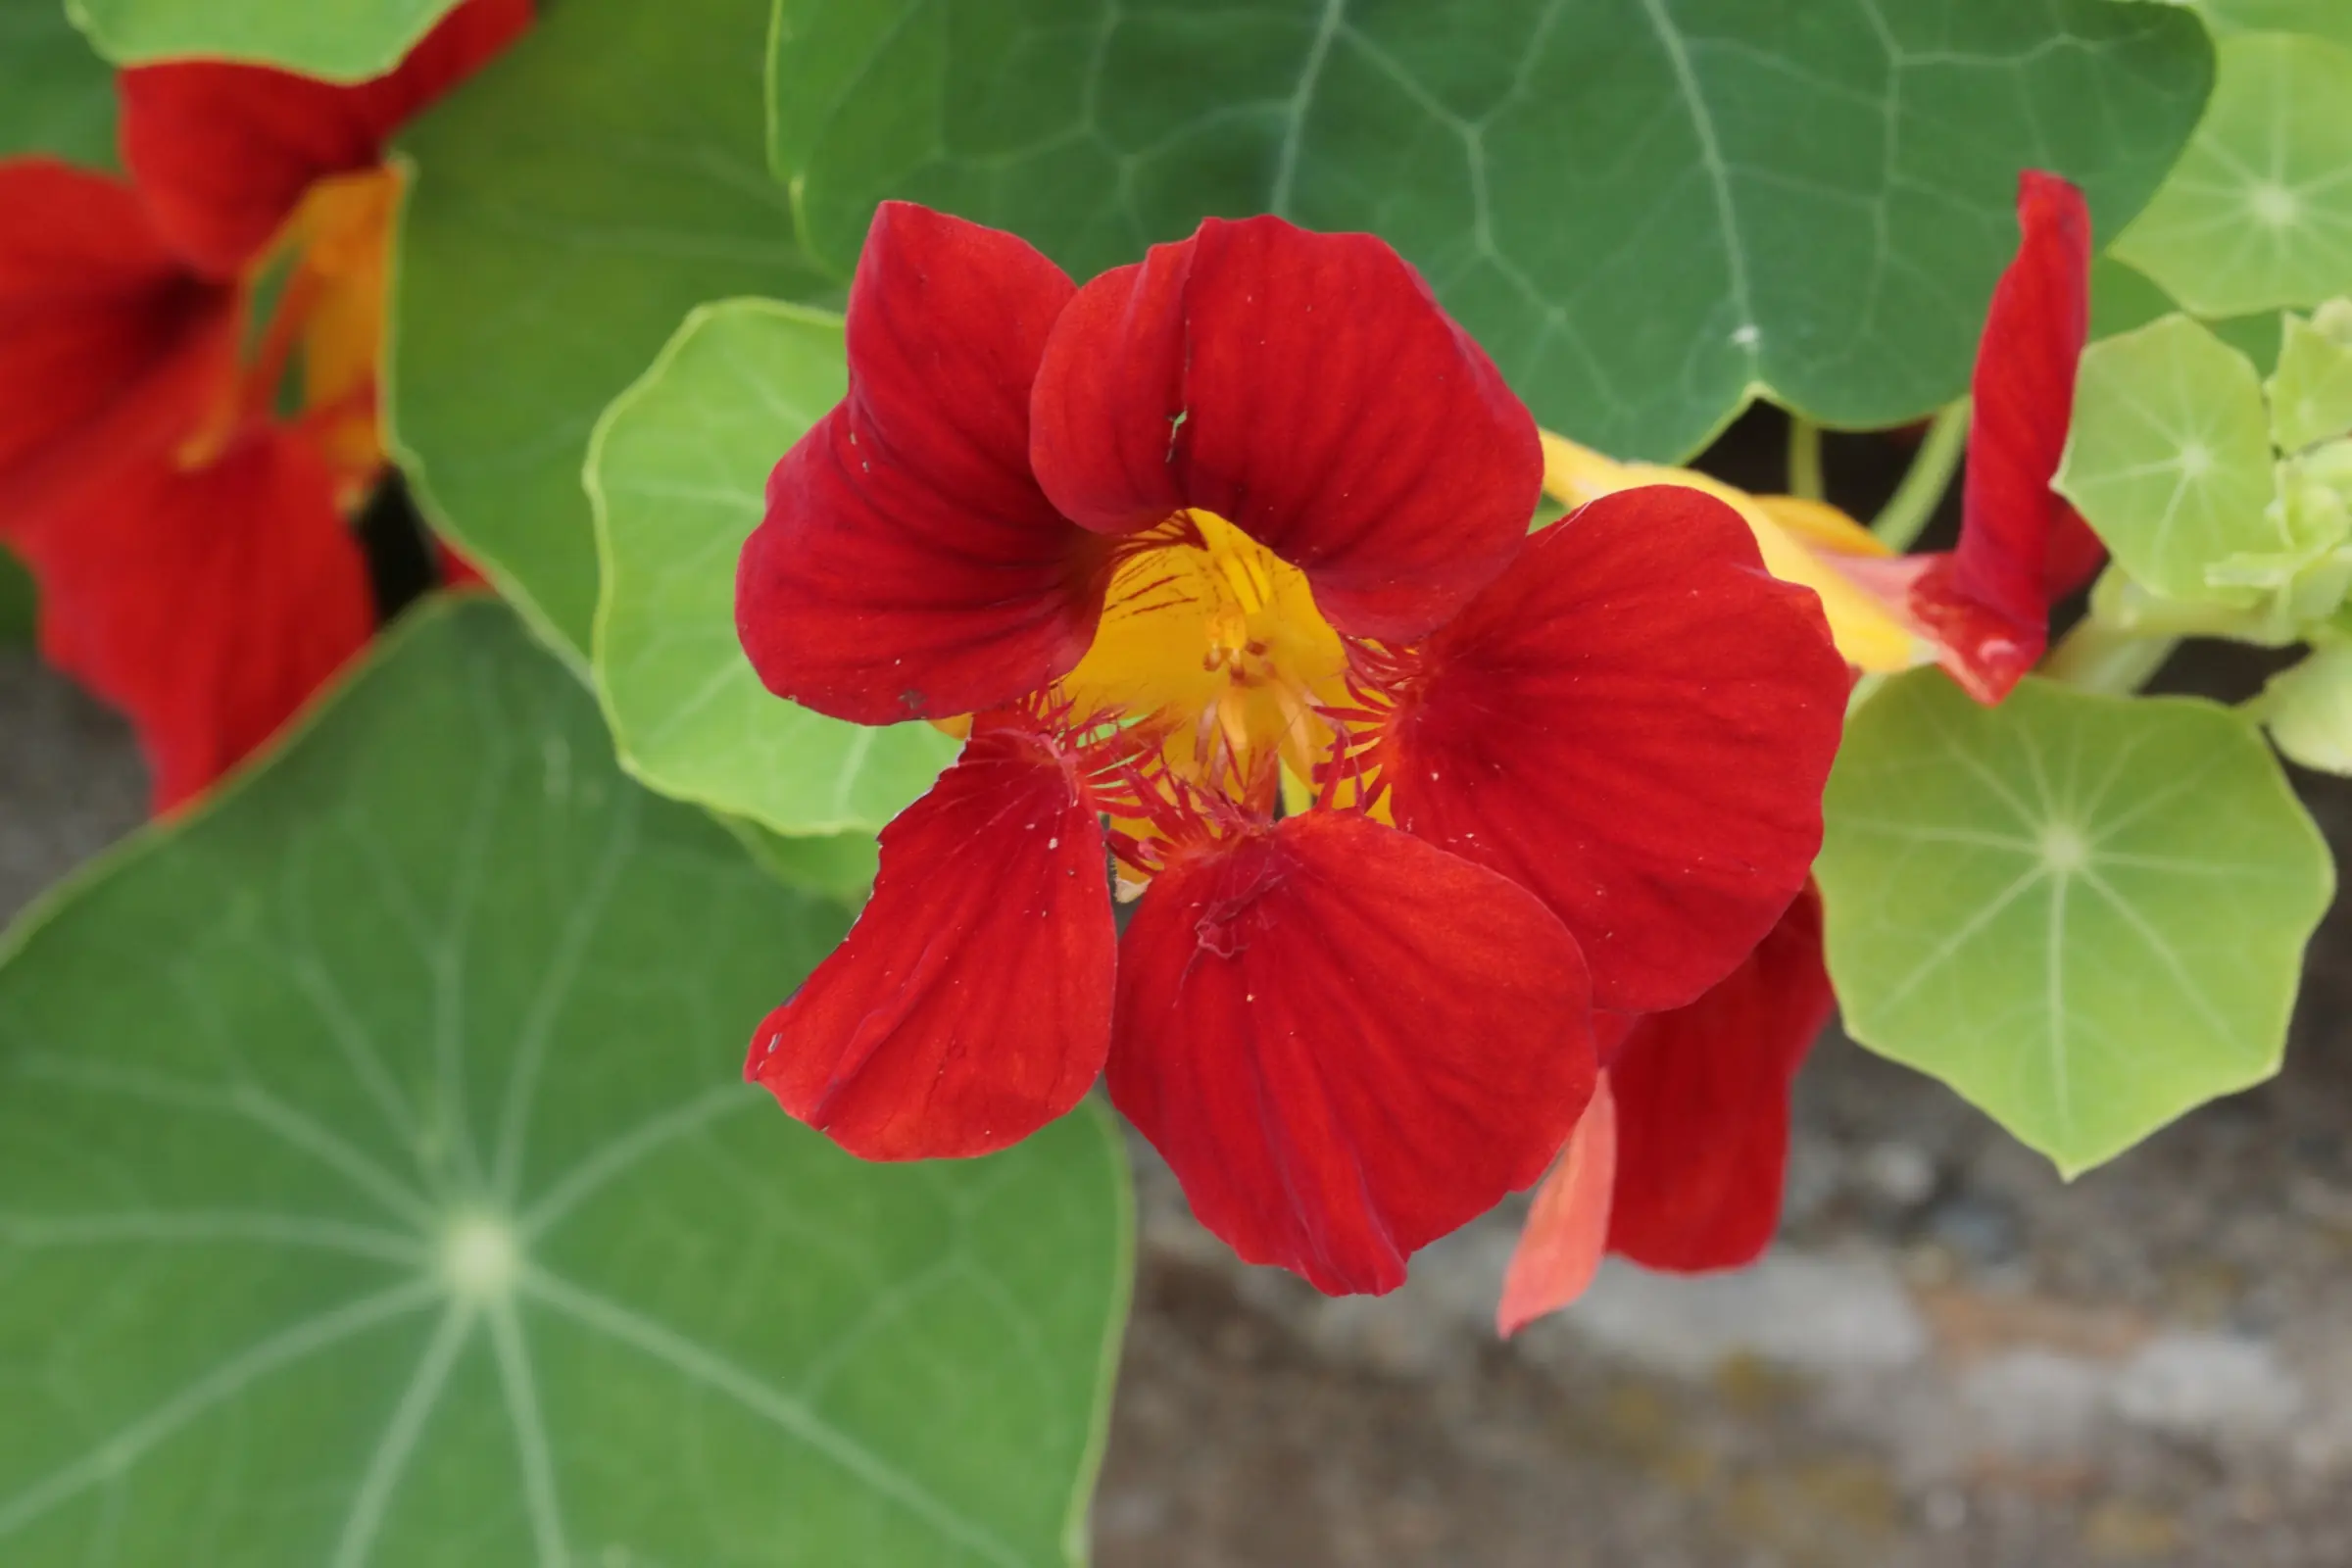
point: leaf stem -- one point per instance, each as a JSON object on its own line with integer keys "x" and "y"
{"x": 1805, "y": 479}
{"x": 2096, "y": 656}
{"x": 1904, "y": 517}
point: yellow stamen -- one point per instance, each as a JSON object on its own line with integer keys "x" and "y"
{"x": 1215, "y": 642}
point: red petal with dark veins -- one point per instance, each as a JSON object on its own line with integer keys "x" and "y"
{"x": 110, "y": 349}
{"x": 1559, "y": 1247}
{"x": 1308, "y": 389}
{"x": 224, "y": 152}
{"x": 970, "y": 1004}
{"x": 1635, "y": 722}
{"x": 1347, "y": 1043}
{"x": 909, "y": 565}
{"x": 1702, "y": 1105}
{"x": 208, "y": 605}
{"x": 2022, "y": 546}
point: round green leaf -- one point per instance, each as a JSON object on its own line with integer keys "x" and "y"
{"x": 2086, "y": 914}
{"x": 1649, "y": 211}
{"x": 2258, "y": 214}
{"x": 675, "y": 473}
{"x": 341, "y": 40}
{"x": 377, "y": 1186}
{"x": 597, "y": 183}
{"x": 2169, "y": 458}
{"x": 56, "y": 96}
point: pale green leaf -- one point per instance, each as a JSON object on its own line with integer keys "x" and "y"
{"x": 2311, "y": 394}
{"x": 377, "y": 1186}
{"x": 1646, "y": 209}
{"x": 572, "y": 204}
{"x": 2169, "y": 458}
{"x": 2309, "y": 710}
{"x": 2086, "y": 914}
{"x": 56, "y": 96}
{"x": 2258, "y": 212}
{"x": 341, "y": 40}
{"x": 675, "y": 475}
{"x": 2322, "y": 18}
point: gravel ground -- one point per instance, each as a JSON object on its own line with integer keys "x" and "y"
{"x": 1951, "y": 1358}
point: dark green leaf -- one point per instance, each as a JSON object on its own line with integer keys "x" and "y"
{"x": 572, "y": 205}
{"x": 1648, "y": 210}
{"x": 377, "y": 1186}
{"x": 56, "y": 96}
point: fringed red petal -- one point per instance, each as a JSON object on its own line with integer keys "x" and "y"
{"x": 908, "y": 566}
{"x": 970, "y": 1004}
{"x": 1702, "y": 1105}
{"x": 1347, "y": 1043}
{"x": 1634, "y": 722}
{"x": 1308, "y": 389}
{"x": 2022, "y": 546}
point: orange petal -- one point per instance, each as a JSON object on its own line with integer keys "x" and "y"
{"x": 1560, "y": 1251}
{"x": 1802, "y": 542}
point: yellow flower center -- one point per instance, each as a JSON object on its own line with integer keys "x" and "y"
{"x": 1214, "y": 644}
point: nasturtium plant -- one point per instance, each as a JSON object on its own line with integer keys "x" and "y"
{"x": 16, "y": 601}
{"x": 338, "y": 40}
{"x": 2170, "y": 456}
{"x": 1648, "y": 210}
{"x": 56, "y": 97}
{"x": 600, "y": 180}
{"x": 675, "y": 473}
{"x": 2257, "y": 214}
{"x": 2086, "y": 914}
{"x": 377, "y": 1186}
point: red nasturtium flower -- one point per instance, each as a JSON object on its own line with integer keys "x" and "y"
{"x": 189, "y": 367}
{"x": 1679, "y": 1164}
{"x": 1244, "y": 520}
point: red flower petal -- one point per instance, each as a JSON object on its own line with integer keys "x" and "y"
{"x": 970, "y": 1004}
{"x": 1702, "y": 1105}
{"x": 1559, "y": 1248}
{"x": 909, "y": 565}
{"x": 109, "y": 347}
{"x": 1307, "y": 388}
{"x": 208, "y": 605}
{"x": 1347, "y": 1043}
{"x": 224, "y": 152}
{"x": 2022, "y": 546}
{"x": 1634, "y": 722}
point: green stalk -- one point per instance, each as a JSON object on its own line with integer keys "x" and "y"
{"x": 1806, "y": 478}
{"x": 1905, "y": 515}
{"x": 2096, "y": 657}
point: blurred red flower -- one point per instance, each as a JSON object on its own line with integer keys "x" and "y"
{"x": 188, "y": 366}
{"x": 1245, "y": 524}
